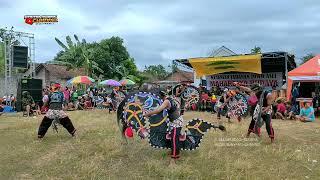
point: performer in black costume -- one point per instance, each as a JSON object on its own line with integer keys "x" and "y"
{"x": 224, "y": 99}
{"x": 265, "y": 100}
{"x": 178, "y": 94}
{"x": 56, "y": 113}
{"x": 175, "y": 125}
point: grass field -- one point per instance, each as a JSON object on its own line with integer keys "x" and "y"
{"x": 98, "y": 152}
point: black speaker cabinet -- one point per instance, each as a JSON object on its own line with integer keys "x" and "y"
{"x": 33, "y": 86}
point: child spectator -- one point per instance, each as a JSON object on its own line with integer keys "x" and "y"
{"x": 204, "y": 99}
{"x": 88, "y": 103}
{"x": 213, "y": 102}
{"x": 306, "y": 113}
{"x": 281, "y": 109}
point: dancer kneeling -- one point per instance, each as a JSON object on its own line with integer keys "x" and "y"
{"x": 176, "y": 123}
{"x": 55, "y": 113}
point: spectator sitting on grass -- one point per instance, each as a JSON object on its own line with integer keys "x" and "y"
{"x": 36, "y": 109}
{"x": 70, "y": 107}
{"x": 281, "y": 109}
{"x": 306, "y": 113}
{"x": 27, "y": 102}
{"x": 291, "y": 111}
{"x": 88, "y": 103}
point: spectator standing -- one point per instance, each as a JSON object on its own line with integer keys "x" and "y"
{"x": 66, "y": 96}
{"x": 45, "y": 101}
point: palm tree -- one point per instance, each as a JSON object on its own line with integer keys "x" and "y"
{"x": 78, "y": 54}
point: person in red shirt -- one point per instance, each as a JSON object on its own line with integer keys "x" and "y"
{"x": 88, "y": 103}
{"x": 281, "y": 110}
{"x": 204, "y": 99}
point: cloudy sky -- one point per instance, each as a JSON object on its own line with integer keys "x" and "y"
{"x": 157, "y": 31}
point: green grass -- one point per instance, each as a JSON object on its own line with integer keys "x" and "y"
{"x": 99, "y": 153}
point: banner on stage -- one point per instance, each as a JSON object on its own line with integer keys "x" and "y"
{"x": 227, "y": 80}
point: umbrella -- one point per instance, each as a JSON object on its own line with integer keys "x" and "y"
{"x": 127, "y": 82}
{"x": 81, "y": 80}
{"x": 110, "y": 82}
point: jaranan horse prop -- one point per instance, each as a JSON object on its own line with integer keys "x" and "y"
{"x": 155, "y": 129}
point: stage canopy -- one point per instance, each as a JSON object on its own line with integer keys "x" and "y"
{"x": 269, "y": 62}
{"x": 216, "y": 65}
{"x": 307, "y": 72}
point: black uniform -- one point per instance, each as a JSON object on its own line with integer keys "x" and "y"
{"x": 175, "y": 127}
{"x": 55, "y": 112}
{"x": 182, "y": 101}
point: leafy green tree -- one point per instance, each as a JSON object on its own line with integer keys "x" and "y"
{"x": 79, "y": 54}
{"x": 307, "y": 57}
{"x": 108, "y": 58}
{"x": 156, "y": 72}
{"x": 256, "y": 50}
{"x": 112, "y": 56}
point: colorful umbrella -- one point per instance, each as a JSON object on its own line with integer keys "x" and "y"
{"x": 110, "y": 82}
{"x": 81, "y": 80}
{"x": 127, "y": 82}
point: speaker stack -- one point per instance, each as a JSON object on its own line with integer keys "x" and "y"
{"x": 20, "y": 56}
{"x": 33, "y": 86}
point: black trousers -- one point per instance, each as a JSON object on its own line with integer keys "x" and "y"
{"x": 267, "y": 119}
{"x": 46, "y": 123}
{"x": 175, "y": 142}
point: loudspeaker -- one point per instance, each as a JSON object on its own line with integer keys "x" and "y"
{"x": 20, "y": 56}
{"x": 33, "y": 86}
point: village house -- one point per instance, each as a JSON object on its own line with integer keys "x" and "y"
{"x": 50, "y": 73}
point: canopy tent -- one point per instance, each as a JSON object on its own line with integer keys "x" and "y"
{"x": 216, "y": 65}
{"x": 307, "y": 72}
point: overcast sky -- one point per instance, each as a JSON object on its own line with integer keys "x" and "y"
{"x": 157, "y": 31}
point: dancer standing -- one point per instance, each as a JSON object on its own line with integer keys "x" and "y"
{"x": 265, "y": 101}
{"x": 178, "y": 94}
{"x": 176, "y": 123}
{"x": 224, "y": 99}
{"x": 55, "y": 113}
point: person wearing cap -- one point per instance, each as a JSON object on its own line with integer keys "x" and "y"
{"x": 55, "y": 112}
{"x": 175, "y": 125}
{"x": 266, "y": 98}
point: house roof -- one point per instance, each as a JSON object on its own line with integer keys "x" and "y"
{"x": 223, "y": 51}
{"x": 60, "y": 71}
{"x": 181, "y": 76}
